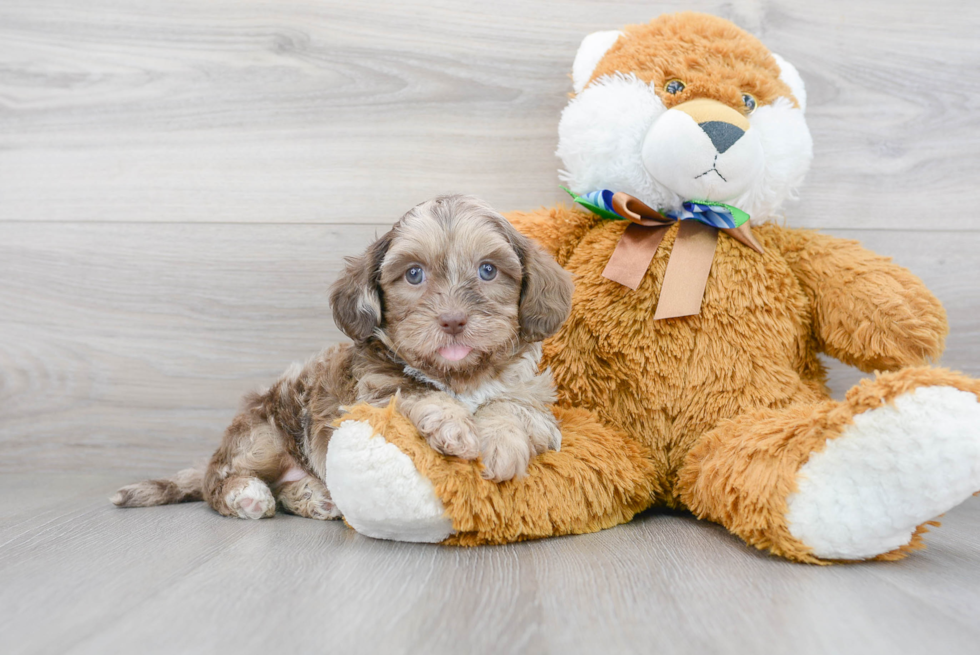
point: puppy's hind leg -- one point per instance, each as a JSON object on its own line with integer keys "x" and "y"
{"x": 304, "y": 495}
{"x": 236, "y": 480}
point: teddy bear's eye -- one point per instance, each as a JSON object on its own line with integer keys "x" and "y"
{"x": 749, "y": 102}
{"x": 674, "y": 87}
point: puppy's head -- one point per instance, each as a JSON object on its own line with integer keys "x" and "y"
{"x": 453, "y": 287}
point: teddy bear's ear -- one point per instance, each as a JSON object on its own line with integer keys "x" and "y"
{"x": 590, "y": 53}
{"x": 789, "y": 75}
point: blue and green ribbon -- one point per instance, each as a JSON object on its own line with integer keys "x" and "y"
{"x": 714, "y": 214}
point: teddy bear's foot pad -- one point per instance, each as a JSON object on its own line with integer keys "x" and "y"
{"x": 378, "y": 489}
{"x": 894, "y": 468}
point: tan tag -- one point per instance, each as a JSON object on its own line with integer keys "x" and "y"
{"x": 687, "y": 271}
{"x": 634, "y": 252}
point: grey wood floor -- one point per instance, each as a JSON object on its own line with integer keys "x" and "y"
{"x": 79, "y": 576}
{"x": 179, "y": 182}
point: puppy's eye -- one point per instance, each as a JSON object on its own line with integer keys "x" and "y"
{"x": 674, "y": 87}
{"x": 488, "y": 272}
{"x": 749, "y": 102}
{"x": 415, "y": 275}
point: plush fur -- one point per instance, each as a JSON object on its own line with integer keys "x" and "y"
{"x": 726, "y": 412}
{"x": 599, "y": 479}
{"x": 388, "y": 496}
{"x": 623, "y": 131}
{"x": 927, "y": 434}
{"x": 445, "y": 312}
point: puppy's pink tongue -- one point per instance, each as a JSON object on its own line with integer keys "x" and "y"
{"x": 455, "y": 353}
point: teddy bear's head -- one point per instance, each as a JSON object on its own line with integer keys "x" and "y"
{"x": 687, "y": 107}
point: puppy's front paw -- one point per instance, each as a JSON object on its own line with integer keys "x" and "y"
{"x": 449, "y": 430}
{"x": 505, "y": 459}
{"x": 505, "y": 448}
{"x": 544, "y": 433}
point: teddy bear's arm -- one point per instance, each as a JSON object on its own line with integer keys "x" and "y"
{"x": 867, "y": 311}
{"x": 557, "y": 229}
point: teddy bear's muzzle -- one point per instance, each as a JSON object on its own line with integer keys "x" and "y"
{"x": 703, "y": 150}
{"x": 723, "y": 125}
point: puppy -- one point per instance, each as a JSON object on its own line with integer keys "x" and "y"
{"x": 446, "y": 313}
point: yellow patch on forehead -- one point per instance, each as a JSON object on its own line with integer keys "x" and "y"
{"x": 712, "y": 57}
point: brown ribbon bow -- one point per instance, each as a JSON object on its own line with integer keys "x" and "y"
{"x": 690, "y": 261}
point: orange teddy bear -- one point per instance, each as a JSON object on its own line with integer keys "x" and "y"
{"x": 700, "y": 387}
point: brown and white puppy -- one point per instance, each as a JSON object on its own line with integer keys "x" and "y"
{"x": 446, "y": 313}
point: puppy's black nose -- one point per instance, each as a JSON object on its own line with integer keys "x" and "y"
{"x": 723, "y": 135}
{"x": 452, "y": 323}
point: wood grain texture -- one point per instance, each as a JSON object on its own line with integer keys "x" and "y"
{"x": 128, "y": 346}
{"x": 80, "y": 576}
{"x": 303, "y": 111}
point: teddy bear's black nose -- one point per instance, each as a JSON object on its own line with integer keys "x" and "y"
{"x": 723, "y": 135}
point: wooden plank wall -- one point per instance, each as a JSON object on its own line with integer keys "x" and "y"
{"x": 180, "y": 180}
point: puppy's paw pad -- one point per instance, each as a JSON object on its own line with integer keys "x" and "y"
{"x": 252, "y": 501}
{"x": 251, "y": 506}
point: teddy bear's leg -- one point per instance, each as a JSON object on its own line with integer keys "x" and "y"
{"x": 390, "y": 484}
{"x": 851, "y": 480}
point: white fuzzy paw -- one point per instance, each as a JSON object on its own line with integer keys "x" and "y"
{"x": 893, "y": 469}
{"x": 378, "y": 489}
{"x": 252, "y": 501}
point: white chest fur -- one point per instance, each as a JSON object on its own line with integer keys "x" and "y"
{"x": 519, "y": 378}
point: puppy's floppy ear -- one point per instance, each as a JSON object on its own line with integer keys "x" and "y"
{"x": 356, "y": 300}
{"x": 546, "y": 290}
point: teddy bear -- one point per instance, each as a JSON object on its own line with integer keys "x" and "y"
{"x": 687, "y": 373}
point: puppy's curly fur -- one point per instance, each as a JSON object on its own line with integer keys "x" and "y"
{"x": 446, "y": 312}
